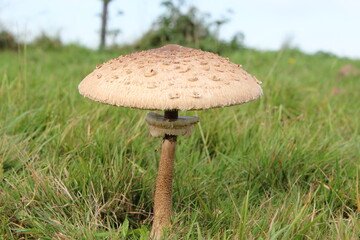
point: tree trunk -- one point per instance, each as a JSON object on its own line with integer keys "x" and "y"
{"x": 104, "y": 18}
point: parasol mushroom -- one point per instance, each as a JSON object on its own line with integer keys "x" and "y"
{"x": 170, "y": 78}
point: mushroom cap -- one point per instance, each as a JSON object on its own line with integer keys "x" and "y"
{"x": 168, "y": 78}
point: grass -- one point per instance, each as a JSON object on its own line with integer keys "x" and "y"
{"x": 282, "y": 167}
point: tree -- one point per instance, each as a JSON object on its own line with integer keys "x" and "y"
{"x": 176, "y": 26}
{"x": 7, "y": 39}
{"x": 104, "y": 20}
{"x": 187, "y": 26}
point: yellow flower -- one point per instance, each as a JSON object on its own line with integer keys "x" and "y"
{"x": 292, "y": 60}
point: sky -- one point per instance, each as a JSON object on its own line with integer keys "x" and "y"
{"x": 311, "y": 25}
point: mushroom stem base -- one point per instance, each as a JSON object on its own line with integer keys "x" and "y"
{"x": 163, "y": 201}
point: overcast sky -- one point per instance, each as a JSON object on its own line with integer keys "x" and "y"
{"x": 311, "y": 25}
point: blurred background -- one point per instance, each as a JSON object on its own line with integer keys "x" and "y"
{"x": 285, "y": 166}
{"x": 312, "y": 26}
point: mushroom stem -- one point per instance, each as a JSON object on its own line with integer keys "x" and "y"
{"x": 162, "y": 200}
{"x": 171, "y": 114}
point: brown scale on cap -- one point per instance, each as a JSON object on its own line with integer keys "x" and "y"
{"x": 193, "y": 79}
{"x": 148, "y": 79}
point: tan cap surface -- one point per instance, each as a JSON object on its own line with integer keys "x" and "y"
{"x": 170, "y": 77}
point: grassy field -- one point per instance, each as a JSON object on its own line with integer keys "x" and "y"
{"x": 283, "y": 167}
